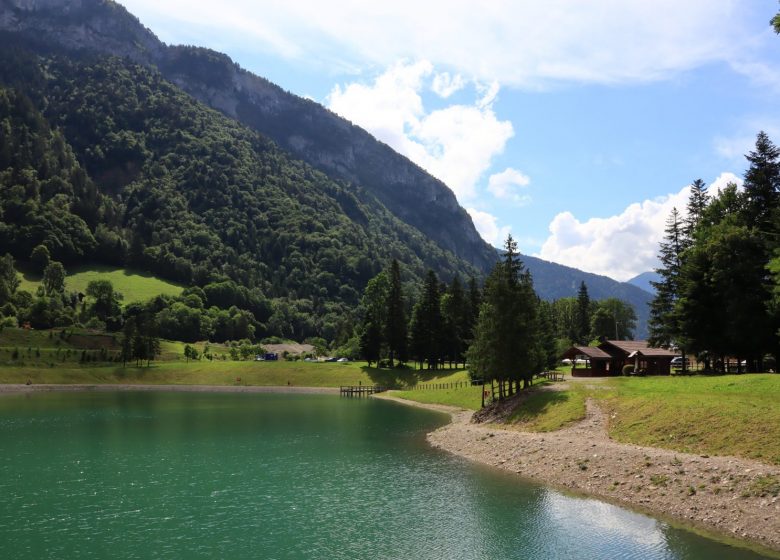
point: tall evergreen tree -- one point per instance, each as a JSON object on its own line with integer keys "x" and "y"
{"x": 762, "y": 185}
{"x": 474, "y": 303}
{"x": 455, "y": 316}
{"x": 430, "y": 320}
{"x": 664, "y": 321}
{"x": 395, "y": 323}
{"x": 506, "y": 344}
{"x": 697, "y": 203}
{"x": 583, "y": 322}
{"x": 370, "y": 340}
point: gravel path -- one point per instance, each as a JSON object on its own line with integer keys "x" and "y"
{"x": 714, "y": 493}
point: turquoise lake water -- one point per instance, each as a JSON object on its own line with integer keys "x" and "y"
{"x": 197, "y": 475}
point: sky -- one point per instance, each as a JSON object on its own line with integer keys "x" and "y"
{"x": 575, "y": 126}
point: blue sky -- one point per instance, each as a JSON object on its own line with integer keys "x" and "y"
{"x": 575, "y": 125}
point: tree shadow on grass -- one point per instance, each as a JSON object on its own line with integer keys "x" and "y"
{"x": 535, "y": 403}
{"x": 397, "y": 378}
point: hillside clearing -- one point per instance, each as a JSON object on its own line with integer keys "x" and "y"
{"x": 134, "y": 285}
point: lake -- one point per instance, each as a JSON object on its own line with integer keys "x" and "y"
{"x": 276, "y": 476}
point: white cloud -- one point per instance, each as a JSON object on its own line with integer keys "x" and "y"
{"x": 455, "y": 144}
{"x": 623, "y": 245}
{"x": 488, "y": 228}
{"x": 722, "y": 181}
{"x": 445, "y": 85}
{"x": 527, "y": 44}
{"x": 504, "y": 185}
{"x": 741, "y": 143}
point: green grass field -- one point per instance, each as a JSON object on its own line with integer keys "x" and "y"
{"x": 718, "y": 415}
{"x": 134, "y": 285}
{"x": 204, "y": 372}
{"x": 547, "y": 411}
{"x": 431, "y": 391}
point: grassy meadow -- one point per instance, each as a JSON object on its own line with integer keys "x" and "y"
{"x": 134, "y": 285}
{"x": 710, "y": 415}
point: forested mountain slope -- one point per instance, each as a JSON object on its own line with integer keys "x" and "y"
{"x": 140, "y": 173}
{"x": 304, "y": 128}
{"x": 104, "y": 160}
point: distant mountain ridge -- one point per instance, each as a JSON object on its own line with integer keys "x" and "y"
{"x": 553, "y": 281}
{"x": 644, "y": 280}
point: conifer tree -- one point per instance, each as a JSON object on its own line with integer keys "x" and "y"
{"x": 395, "y": 325}
{"x": 762, "y": 185}
{"x": 664, "y": 321}
{"x": 455, "y": 316}
{"x": 370, "y": 340}
{"x": 506, "y": 343}
{"x": 583, "y": 318}
{"x": 697, "y": 203}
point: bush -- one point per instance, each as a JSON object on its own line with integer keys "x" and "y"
{"x": 628, "y": 369}
{"x": 95, "y": 324}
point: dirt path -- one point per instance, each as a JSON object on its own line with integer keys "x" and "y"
{"x": 715, "y": 493}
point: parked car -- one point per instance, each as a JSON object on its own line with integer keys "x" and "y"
{"x": 677, "y": 361}
{"x": 343, "y": 360}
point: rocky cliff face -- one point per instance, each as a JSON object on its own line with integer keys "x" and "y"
{"x": 304, "y": 128}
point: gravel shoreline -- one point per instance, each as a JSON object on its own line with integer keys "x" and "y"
{"x": 710, "y": 493}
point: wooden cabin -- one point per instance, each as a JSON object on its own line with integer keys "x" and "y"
{"x": 609, "y": 357}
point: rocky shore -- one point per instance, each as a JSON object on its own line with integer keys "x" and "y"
{"x": 727, "y": 495}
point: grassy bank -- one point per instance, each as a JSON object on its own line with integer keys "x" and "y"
{"x": 197, "y": 373}
{"x": 431, "y": 391}
{"x": 735, "y": 415}
{"x": 720, "y": 415}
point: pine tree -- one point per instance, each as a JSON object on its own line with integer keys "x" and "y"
{"x": 762, "y": 184}
{"x": 455, "y": 315}
{"x": 370, "y": 340}
{"x": 429, "y": 325}
{"x": 583, "y": 319}
{"x": 506, "y": 344}
{"x": 395, "y": 325}
{"x": 697, "y": 204}
{"x": 664, "y": 322}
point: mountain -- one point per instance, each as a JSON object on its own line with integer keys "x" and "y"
{"x": 643, "y": 281}
{"x": 124, "y": 150}
{"x": 553, "y": 281}
{"x": 304, "y": 128}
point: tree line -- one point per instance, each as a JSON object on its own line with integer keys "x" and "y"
{"x": 719, "y": 292}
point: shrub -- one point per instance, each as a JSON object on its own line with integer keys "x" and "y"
{"x": 628, "y": 369}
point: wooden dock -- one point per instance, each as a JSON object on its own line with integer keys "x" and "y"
{"x": 360, "y": 390}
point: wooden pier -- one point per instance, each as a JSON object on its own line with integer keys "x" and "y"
{"x": 360, "y": 390}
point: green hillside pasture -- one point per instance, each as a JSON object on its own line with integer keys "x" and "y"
{"x": 48, "y": 348}
{"x": 720, "y": 415}
{"x": 54, "y": 347}
{"x": 218, "y": 372}
{"x": 430, "y": 391}
{"x": 134, "y": 285}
